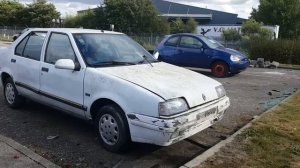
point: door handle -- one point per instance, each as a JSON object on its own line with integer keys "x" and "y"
{"x": 45, "y": 69}
{"x": 13, "y": 60}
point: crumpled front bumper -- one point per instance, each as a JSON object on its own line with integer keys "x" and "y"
{"x": 167, "y": 131}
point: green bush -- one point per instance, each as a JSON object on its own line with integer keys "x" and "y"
{"x": 280, "y": 50}
{"x": 231, "y": 35}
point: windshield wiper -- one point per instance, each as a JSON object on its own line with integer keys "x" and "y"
{"x": 113, "y": 63}
{"x": 145, "y": 59}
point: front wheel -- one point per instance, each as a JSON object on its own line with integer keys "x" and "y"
{"x": 220, "y": 69}
{"x": 12, "y": 97}
{"x": 112, "y": 128}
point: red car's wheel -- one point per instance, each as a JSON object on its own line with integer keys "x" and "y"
{"x": 219, "y": 69}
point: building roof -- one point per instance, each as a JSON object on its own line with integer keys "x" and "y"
{"x": 175, "y": 10}
{"x": 165, "y": 6}
{"x": 204, "y": 16}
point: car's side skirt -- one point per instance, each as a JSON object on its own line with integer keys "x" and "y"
{"x": 59, "y": 99}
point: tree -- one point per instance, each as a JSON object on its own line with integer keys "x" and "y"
{"x": 285, "y": 13}
{"x": 191, "y": 26}
{"x": 39, "y": 14}
{"x": 265, "y": 33}
{"x": 139, "y": 16}
{"x": 9, "y": 12}
{"x": 177, "y": 26}
{"x": 231, "y": 35}
{"x": 252, "y": 28}
{"x": 86, "y": 20}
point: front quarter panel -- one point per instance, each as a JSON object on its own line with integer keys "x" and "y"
{"x": 130, "y": 97}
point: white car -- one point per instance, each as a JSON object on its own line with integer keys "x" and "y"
{"x": 108, "y": 78}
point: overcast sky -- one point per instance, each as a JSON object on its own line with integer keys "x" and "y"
{"x": 241, "y": 7}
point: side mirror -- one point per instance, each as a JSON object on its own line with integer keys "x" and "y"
{"x": 202, "y": 49}
{"x": 67, "y": 64}
{"x": 156, "y": 55}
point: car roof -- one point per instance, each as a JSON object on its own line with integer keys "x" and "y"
{"x": 74, "y": 30}
{"x": 189, "y": 34}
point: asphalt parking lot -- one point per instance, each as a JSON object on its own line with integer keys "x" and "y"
{"x": 251, "y": 93}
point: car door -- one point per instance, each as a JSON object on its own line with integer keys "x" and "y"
{"x": 26, "y": 63}
{"x": 190, "y": 52}
{"x": 166, "y": 53}
{"x": 60, "y": 87}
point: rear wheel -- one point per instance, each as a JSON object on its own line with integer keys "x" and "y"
{"x": 12, "y": 97}
{"x": 112, "y": 128}
{"x": 220, "y": 69}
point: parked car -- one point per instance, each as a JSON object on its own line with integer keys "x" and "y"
{"x": 197, "y": 51}
{"x": 107, "y": 78}
{"x": 15, "y": 36}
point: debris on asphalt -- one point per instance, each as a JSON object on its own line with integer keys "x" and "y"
{"x": 261, "y": 63}
{"x": 52, "y": 137}
{"x": 270, "y": 93}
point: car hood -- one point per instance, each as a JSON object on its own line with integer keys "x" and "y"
{"x": 232, "y": 52}
{"x": 168, "y": 81}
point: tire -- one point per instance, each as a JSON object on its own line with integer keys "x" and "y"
{"x": 220, "y": 69}
{"x": 11, "y": 95}
{"x": 233, "y": 74}
{"x": 112, "y": 128}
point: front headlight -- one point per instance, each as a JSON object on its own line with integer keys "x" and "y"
{"x": 235, "y": 58}
{"x": 220, "y": 91}
{"x": 173, "y": 106}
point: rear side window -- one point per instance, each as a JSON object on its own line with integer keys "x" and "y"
{"x": 31, "y": 46}
{"x": 172, "y": 41}
{"x": 20, "y": 48}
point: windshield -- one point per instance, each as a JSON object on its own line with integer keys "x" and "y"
{"x": 111, "y": 49}
{"x": 211, "y": 43}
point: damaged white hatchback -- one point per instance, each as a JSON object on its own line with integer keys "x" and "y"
{"x": 108, "y": 78}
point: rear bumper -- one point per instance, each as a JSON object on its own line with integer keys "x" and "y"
{"x": 168, "y": 131}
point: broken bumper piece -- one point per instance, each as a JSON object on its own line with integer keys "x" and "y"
{"x": 167, "y": 131}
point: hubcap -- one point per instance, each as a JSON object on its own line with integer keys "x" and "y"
{"x": 109, "y": 129}
{"x": 10, "y": 93}
{"x": 219, "y": 70}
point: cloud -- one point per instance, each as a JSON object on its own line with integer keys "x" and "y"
{"x": 242, "y": 7}
{"x": 87, "y": 2}
{"x": 70, "y": 7}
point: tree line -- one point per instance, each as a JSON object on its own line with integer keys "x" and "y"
{"x": 140, "y": 16}
{"x": 37, "y": 14}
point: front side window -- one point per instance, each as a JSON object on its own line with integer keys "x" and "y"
{"x": 31, "y": 46}
{"x": 100, "y": 49}
{"x": 190, "y": 42}
{"x": 172, "y": 41}
{"x": 59, "y": 47}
